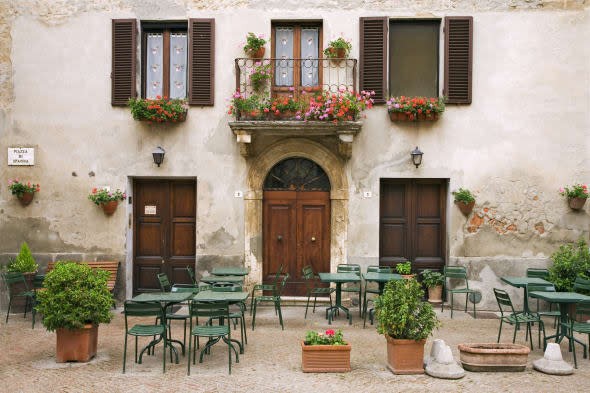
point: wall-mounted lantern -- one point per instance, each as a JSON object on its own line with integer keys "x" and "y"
{"x": 158, "y": 154}
{"x": 416, "y": 157}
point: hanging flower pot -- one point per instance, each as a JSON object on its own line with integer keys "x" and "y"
{"x": 26, "y": 198}
{"x": 255, "y": 45}
{"x": 338, "y": 50}
{"x": 258, "y": 53}
{"x": 576, "y": 195}
{"x": 464, "y": 200}
{"x": 465, "y": 208}
{"x": 107, "y": 200}
{"x": 24, "y": 192}
{"x": 109, "y": 207}
{"x": 577, "y": 203}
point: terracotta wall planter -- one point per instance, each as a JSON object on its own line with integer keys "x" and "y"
{"x": 435, "y": 294}
{"x": 402, "y": 116}
{"x": 427, "y": 116}
{"x": 494, "y": 357}
{"x": 576, "y": 203}
{"x": 465, "y": 208}
{"x": 110, "y": 207}
{"x": 259, "y": 54}
{"x": 325, "y": 358}
{"x": 337, "y": 55}
{"x": 78, "y": 345}
{"x": 26, "y": 198}
{"x": 405, "y": 356}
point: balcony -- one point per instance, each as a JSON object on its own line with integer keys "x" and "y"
{"x": 297, "y": 79}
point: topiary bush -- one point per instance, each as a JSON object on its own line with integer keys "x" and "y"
{"x": 402, "y": 314}
{"x": 24, "y": 262}
{"x": 569, "y": 262}
{"x": 76, "y": 295}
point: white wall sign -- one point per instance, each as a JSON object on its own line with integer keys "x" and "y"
{"x": 149, "y": 210}
{"x": 21, "y": 156}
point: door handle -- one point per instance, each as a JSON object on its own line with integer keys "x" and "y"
{"x": 163, "y": 261}
{"x": 313, "y": 238}
{"x": 279, "y": 238}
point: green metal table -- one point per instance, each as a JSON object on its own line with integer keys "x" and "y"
{"x": 522, "y": 282}
{"x": 339, "y": 278}
{"x": 166, "y": 299}
{"x": 381, "y": 278}
{"x": 230, "y": 271}
{"x": 213, "y": 279}
{"x": 563, "y": 299}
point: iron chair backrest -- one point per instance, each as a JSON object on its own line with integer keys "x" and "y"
{"x": 184, "y": 288}
{"x": 349, "y": 268}
{"x": 38, "y": 281}
{"x": 191, "y": 274}
{"x": 164, "y": 282}
{"x": 216, "y": 309}
{"x": 141, "y": 309}
{"x": 276, "y": 279}
{"x": 308, "y": 273}
{"x": 227, "y": 288}
{"x": 379, "y": 269}
{"x": 282, "y": 286}
{"x": 538, "y": 288}
{"x": 457, "y": 272}
{"x": 503, "y": 299}
{"x": 537, "y": 273}
{"x": 12, "y": 278}
{"x": 582, "y": 308}
{"x": 581, "y": 284}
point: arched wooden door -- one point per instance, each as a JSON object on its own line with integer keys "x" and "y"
{"x": 296, "y": 221}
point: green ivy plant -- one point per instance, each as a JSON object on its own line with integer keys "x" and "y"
{"x": 402, "y": 314}
{"x": 24, "y": 262}
{"x": 463, "y": 195}
{"x": 432, "y": 279}
{"x": 330, "y": 337}
{"x": 569, "y": 262}
{"x": 404, "y": 268}
{"x": 76, "y": 295}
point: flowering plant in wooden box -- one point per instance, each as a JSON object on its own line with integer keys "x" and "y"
{"x": 416, "y": 107}
{"x": 158, "y": 110}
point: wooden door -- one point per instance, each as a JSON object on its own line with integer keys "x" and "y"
{"x": 164, "y": 232}
{"x": 412, "y": 223}
{"x": 296, "y": 234}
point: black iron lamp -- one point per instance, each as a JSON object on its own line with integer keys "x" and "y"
{"x": 416, "y": 157}
{"x": 158, "y": 154}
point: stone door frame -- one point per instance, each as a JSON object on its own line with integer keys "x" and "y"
{"x": 258, "y": 168}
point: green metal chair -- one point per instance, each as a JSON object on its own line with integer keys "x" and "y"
{"x": 313, "y": 288}
{"x": 265, "y": 287}
{"x": 582, "y": 285}
{"x": 375, "y": 291}
{"x": 12, "y": 279}
{"x": 582, "y": 309}
{"x": 135, "y": 309}
{"x": 275, "y": 298}
{"x": 191, "y": 274}
{"x": 211, "y": 310}
{"x": 457, "y": 272}
{"x": 533, "y": 272}
{"x": 352, "y": 288}
{"x": 554, "y": 314}
{"x": 516, "y": 318}
{"x": 237, "y": 316}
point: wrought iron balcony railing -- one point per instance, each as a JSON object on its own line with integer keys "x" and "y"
{"x": 296, "y": 75}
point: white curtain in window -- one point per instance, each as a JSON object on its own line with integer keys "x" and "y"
{"x": 178, "y": 61}
{"x": 284, "y": 50}
{"x": 154, "y": 59}
{"x": 309, "y": 50}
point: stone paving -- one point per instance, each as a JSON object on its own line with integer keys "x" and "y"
{"x": 271, "y": 363}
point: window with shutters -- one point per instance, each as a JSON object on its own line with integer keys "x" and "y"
{"x": 414, "y": 57}
{"x": 164, "y": 48}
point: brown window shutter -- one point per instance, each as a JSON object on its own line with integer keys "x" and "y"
{"x": 373, "y": 57}
{"x": 201, "y": 61}
{"x": 123, "y": 61}
{"x": 458, "y": 59}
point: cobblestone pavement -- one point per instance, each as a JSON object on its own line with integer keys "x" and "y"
{"x": 271, "y": 362}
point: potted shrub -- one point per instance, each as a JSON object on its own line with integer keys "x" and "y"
{"x": 106, "y": 199}
{"x": 255, "y": 45}
{"x": 405, "y": 269}
{"x": 25, "y": 264}
{"x": 24, "y": 192}
{"x": 76, "y": 300}
{"x": 434, "y": 282}
{"x": 415, "y": 108}
{"x": 160, "y": 110}
{"x": 338, "y": 49}
{"x": 325, "y": 352}
{"x": 406, "y": 322}
{"x": 576, "y": 196}
{"x": 464, "y": 200}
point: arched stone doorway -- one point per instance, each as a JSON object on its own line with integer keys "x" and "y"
{"x": 260, "y": 166}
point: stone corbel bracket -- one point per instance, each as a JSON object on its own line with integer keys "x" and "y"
{"x": 246, "y": 131}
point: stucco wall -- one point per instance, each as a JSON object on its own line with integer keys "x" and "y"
{"x": 525, "y": 134}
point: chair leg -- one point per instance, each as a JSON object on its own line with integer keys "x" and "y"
{"x": 8, "y": 311}
{"x": 315, "y": 299}
{"x": 451, "y": 305}
{"x": 360, "y": 305}
{"x": 252, "y": 302}
{"x": 188, "y": 358}
{"x": 530, "y": 330}
{"x": 280, "y": 315}
{"x": 307, "y": 305}
{"x": 125, "y": 353}
{"x": 229, "y": 347}
{"x": 253, "y": 310}
{"x": 500, "y": 331}
{"x": 466, "y": 301}
{"x": 135, "y": 348}
{"x": 474, "y": 315}
{"x": 164, "y": 352}
{"x": 515, "y": 329}
{"x": 184, "y": 338}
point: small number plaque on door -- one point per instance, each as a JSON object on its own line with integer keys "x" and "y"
{"x": 150, "y": 210}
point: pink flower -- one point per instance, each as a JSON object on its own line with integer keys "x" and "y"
{"x": 291, "y": 88}
{"x": 330, "y": 332}
{"x": 9, "y": 182}
{"x": 585, "y": 191}
{"x": 124, "y": 196}
{"x": 561, "y": 189}
{"x": 110, "y": 194}
{"x": 16, "y": 179}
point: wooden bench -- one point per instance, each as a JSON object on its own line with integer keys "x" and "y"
{"x": 111, "y": 266}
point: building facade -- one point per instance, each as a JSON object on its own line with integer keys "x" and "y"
{"x": 233, "y": 192}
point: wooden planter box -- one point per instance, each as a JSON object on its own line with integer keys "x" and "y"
{"x": 181, "y": 118}
{"x": 402, "y": 116}
{"x": 494, "y": 357}
{"x": 325, "y": 358}
{"x": 78, "y": 345}
{"x": 405, "y": 356}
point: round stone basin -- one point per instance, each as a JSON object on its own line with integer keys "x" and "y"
{"x": 493, "y": 356}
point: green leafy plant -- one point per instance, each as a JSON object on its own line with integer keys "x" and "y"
{"x": 241, "y": 106}
{"x": 569, "y": 262}
{"x": 404, "y": 268}
{"x": 402, "y": 314}
{"x": 158, "y": 110}
{"x": 463, "y": 195}
{"x": 253, "y": 43}
{"x": 414, "y": 106}
{"x": 102, "y": 196}
{"x": 76, "y": 295}
{"x": 576, "y": 191}
{"x": 24, "y": 262}
{"x": 340, "y": 43}
{"x": 260, "y": 74}
{"x": 17, "y": 188}
{"x": 432, "y": 279}
{"x": 330, "y": 337}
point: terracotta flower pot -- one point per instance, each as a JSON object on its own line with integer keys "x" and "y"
{"x": 435, "y": 294}
{"x": 26, "y": 198}
{"x": 78, "y": 345}
{"x": 576, "y": 203}
{"x": 285, "y": 115}
{"x": 465, "y": 208}
{"x": 401, "y": 116}
{"x": 109, "y": 207}
{"x": 258, "y": 54}
{"x": 405, "y": 356}
{"x": 325, "y": 358}
{"x": 494, "y": 357}
{"x": 337, "y": 55}
{"x": 427, "y": 116}
{"x": 250, "y": 116}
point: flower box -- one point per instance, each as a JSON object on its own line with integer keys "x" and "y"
{"x": 325, "y": 358}
{"x": 158, "y": 110}
{"x": 415, "y": 108}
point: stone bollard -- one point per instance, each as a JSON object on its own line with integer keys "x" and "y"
{"x": 552, "y": 362}
{"x": 437, "y": 344}
{"x": 441, "y": 364}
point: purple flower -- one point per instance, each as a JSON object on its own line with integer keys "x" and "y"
{"x": 396, "y": 106}
{"x": 298, "y": 117}
{"x": 9, "y": 182}
{"x": 291, "y": 88}
{"x": 110, "y": 194}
